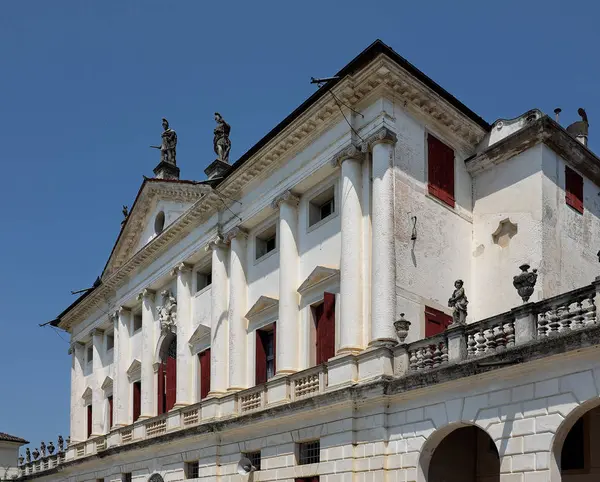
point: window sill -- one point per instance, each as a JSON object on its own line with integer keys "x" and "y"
{"x": 202, "y": 291}
{"x": 265, "y": 256}
{"x": 323, "y": 221}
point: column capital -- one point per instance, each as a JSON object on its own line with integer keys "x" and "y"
{"x": 215, "y": 243}
{"x": 181, "y": 268}
{"x": 236, "y": 232}
{"x": 146, "y": 293}
{"x": 285, "y": 197}
{"x": 348, "y": 152}
{"x": 74, "y": 346}
{"x": 96, "y": 332}
{"x": 383, "y": 135}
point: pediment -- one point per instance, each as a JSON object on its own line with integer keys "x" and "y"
{"x": 107, "y": 383}
{"x": 87, "y": 393}
{"x": 172, "y": 198}
{"x": 201, "y": 333}
{"x": 318, "y": 276}
{"x": 262, "y": 305}
{"x": 134, "y": 369}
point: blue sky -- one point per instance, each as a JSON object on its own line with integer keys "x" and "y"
{"x": 84, "y": 85}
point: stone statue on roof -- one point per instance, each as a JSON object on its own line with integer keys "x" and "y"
{"x": 221, "y": 142}
{"x": 169, "y": 144}
{"x": 458, "y": 302}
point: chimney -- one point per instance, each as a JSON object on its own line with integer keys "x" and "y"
{"x": 579, "y": 129}
{"x": 557, "y": 112}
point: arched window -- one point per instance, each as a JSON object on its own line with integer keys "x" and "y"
{"x": 167, "y": 376}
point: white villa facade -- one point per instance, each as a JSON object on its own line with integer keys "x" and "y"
{"x": 253, "y": 314}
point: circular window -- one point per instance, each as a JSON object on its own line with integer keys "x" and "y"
{"x": 159, "y": 222}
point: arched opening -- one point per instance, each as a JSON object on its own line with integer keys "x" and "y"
{"x": 167, "y": 375}
{"x": 460, "y": 453}
{"x": 577, "y": 446}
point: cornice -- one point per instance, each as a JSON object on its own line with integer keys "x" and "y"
{"x": 381, "y": 76}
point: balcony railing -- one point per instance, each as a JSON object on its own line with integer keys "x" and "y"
{"x": 566, "y": 313}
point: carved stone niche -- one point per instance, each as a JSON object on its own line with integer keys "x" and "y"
{"x": 506, "y": 230}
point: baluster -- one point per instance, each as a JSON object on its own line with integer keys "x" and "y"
{"x": 480, "y": 342}
{"x": 419, "y": 358}
{"x": 553, "y": 322}
{"x": 471, "y": 345}
{"x": 444, "y": 352}
{"x": 499, "y": 337}
{"x": 542, "y": 325}
{"x": 428, "y": 357}
{"x": 437, "y": 355}
{"x": 412, "y": 362}
{"x": 509, "y": 334}
{"x": 565, "y": 317}
{"x": 490, "y": 345}
{"x": 590, "y": 311}
{"x": 578, "y": 315}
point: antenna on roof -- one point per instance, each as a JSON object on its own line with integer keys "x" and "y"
{"x": 322, "y": 80}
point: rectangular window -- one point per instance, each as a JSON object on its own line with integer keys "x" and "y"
{"x": 137, "y": 322}
{"x": 204, "y": 358}
{"x": 440, "y": 168}
{"x": 110, "y": 341}
{"x": 309, "y": 452}
{"x": 265, "y": 353}
{"x": 254, "y": 458}
{"x": 575, "y": 450}
{"x": 574, "y": 189}
{"x": 436, "y": 321}
{"x": 324, "y": 316}
{"x": 137, "y": 400}
{"x": 126, "y": 477}
{"x": 89, "y": 420}
{"x": 90, "y": 354}
{"x": 321, "y": 206}
{"x": 314, "y": 478}
{"x": 110, "y": 411}
{"x": 266, "y": 241}
{"x": 191, "y": 470}
{"x": 203, "y": 279}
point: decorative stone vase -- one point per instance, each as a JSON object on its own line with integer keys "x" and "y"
{"x": 50, "y": 448}
{"x": 35, "y": 454}
{"x": 402, "y": 326}
{"x": 525, "y": 282}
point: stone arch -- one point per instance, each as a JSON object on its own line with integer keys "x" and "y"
{"x": 436, "y": 440}
{"x": 162, "y": 345}
{"x": 561, "y": 433}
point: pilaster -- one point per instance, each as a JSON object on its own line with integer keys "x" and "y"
{"x": 183, "y": 273}
{"x": 121, "y": 320}
{"x": 97, "y": 392}
{"x": 148, "y": 405}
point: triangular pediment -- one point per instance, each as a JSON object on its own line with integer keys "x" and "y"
{"x": 158, "y": 204}
{"x": 201, "y": 333}
{"x": 262, "y": 305}
{"x": 134, "y": 369}
{"x": 107, "y": 383}
{"x": 87, "y": 393}
{"x": 318, "y": 276}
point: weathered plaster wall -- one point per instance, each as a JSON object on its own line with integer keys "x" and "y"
{"x": 570, "y": 239}
{"x": 172, "y": 211}
{"x": 8, "y": 460}
{"x": 511, "y": 190}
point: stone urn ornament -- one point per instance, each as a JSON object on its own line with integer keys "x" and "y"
{"x": 50, "y": 447}
{"x": 525, "y": 282}
{"x": 402, "y": 326}
{"x": 35, "y": 453}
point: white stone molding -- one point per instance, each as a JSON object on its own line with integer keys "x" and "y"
{"x": 236, "y": 232}
{"x": 107, "y": 383}
{"x": 134, "y": 372}
{"x": 264, "y": 304}
{"x": 87, "y": 394}
{"x": 201, "y": 334}
{"x": 216, "y": 242}
{"x": 96, "y": 332}
{"x": 318, "y": 276}
{"x": 156, "y": 365}
{"x": 146, "y": 293}
{"x": 181, "y": 267}
{"x": 74, "y": 346}
{"x": 348, "y": 152}
{"x": 286, "y": 197}
{"x": 383, "y": 135}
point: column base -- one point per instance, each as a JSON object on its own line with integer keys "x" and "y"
{"x": 117, "y": 426}
{"x": 215, "y": 394}
{"x": 375, "y": 362}
{"x": 179, "y": 405}
{"x": 349, "y": 350}
{"x": 342, "y": 371}
{"x": 145, "y": 417}
{"x": 235, "y": 389}
{"x": 387, "y": 342}
{"x": 283, "y": 373}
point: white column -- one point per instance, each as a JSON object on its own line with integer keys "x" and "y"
{"x": 383, "y": 268}
{"x": 97, "y": 392}
{"x": 238, "y": 325}
{"x": 122, "y": 320}
{"x": 77, "y": 430}
{"x": 351, "y": 277}
{"x": 184, "y": 331}
{"x": 219, "y": 326}
{"x": 148, "y": 408}
{"x": 288, "y": 335}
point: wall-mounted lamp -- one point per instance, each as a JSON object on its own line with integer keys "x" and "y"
{"x": 413, "y": 236}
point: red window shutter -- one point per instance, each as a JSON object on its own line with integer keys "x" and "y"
{"x": 573, "y": 189}
{"x": 137, "y": 400}
{"x": 171, "y": 378}
{"x": 261, "y": 358}
{"x": 204, "y": 373}
{"x": 274, "y": 347}
{"x": 110, "y": 411}
{"x": 436, "y": 321}
{"x": 326, "y": 328}
{"x": 89, "y": 420}
{"x": 161, "y": 389}
{"x": 440, "y": 160}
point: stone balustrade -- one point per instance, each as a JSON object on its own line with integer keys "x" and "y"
{"x": 526, "y": 325}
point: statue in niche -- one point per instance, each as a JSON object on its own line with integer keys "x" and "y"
{"x": 169, "y": 144}
{"x": 458, "y": 302}
{"x": 167, "y": 313}
{"x": 221, "y": 142}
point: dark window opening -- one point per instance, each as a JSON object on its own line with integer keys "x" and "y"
{"x": 324, "y": 316}
{"x": 192, "y": 470}
{"x": 89, "y": 420}
{"x": 574, "y": 450}
{"x": 110, "y": 341}
{"x": 266, "y": 241}
{"x": 309, "y": 452}
{"x": 440, "y": 168}
{"x": 203, "y": 279}
{"x": 265, "y": 353}
{"x": 110, "y": 412}
{"x": 204, "y": 359}
{"x": 167, "y": 379}
{"x": 321, "y": 206}
{"x": 254, "y": 458}
{"x": 574, "y": 189}
{"x": 137, "y": 322}
{"x": 126, "y": 477}
{"x": 137, "y": 400}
